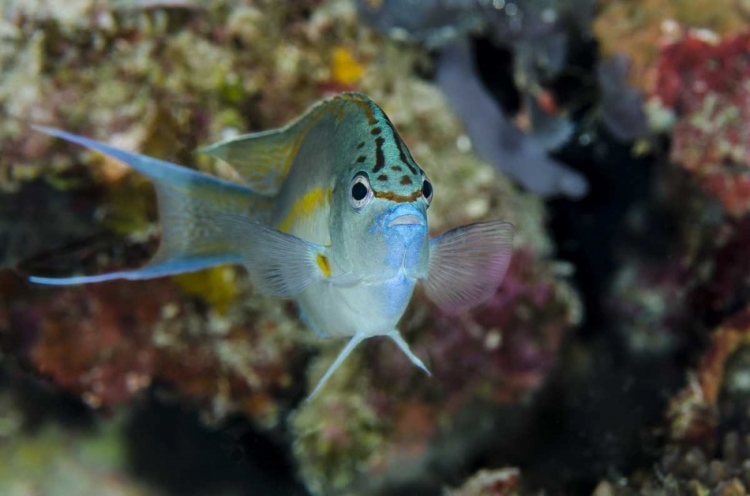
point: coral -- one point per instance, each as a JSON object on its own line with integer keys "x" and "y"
{"x": 345, "y": 69}
{"x": 506, "y": 347}
{"x": 54, "y": 462}
{"x": 650, "y": 301}
{"x": 87, "y": 344}
{"x": 216, "y": 286}
{"x": 703, "y": 82}
{"x": 636, "y": 29}
{"x": 708, "y": 424}
{"x": 660, "y": 303}
{"x": 501, "y": 482}
{"x": 344, "y": 432}
{"x": 725, "y": 287}
{"x": 694, "y": 414}
{"x": 107, "y": 343}
{"x": 45, "y": 452}
{"x": 433, "y": 22}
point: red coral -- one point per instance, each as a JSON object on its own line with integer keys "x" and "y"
{"x": 706, "y": 85}
{"x": 96, "y": 341}
{"x": 728, "y": 284}
{"x": 109, "y": 341}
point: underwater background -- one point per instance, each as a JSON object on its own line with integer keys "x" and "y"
{"x": 613, "y": 360}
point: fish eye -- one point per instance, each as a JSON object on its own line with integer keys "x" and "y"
{"x": 427, "y": 190}
{"x": 360, "y": 191}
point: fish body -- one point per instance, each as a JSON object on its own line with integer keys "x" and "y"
{"x": 331, "y": 211}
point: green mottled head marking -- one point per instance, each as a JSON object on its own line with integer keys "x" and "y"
{"x": 384, "y": 157}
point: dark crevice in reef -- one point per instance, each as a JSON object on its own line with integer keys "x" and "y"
{"x": 599, "y": 422}
{"x": 171, "y": 447}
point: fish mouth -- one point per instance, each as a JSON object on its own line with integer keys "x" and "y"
{"x": 406, "y": 220}
{"x": 405, "y": 215}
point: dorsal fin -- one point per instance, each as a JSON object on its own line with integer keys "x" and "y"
{"x": 263, "y": 159}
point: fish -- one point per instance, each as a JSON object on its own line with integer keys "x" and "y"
{"x": 331, "y": 211}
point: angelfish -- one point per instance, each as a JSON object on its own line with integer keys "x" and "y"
{"x": 330, "y": 211}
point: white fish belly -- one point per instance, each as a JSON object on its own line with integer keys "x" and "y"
{"x": 372, "y": 309}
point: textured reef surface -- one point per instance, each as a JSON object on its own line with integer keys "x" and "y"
{"x": 613, "y": 360}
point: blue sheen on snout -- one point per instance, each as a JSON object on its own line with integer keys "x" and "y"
{"x": 405, "y": 230}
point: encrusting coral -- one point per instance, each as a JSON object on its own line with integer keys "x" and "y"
{"x": 182, "y": 75}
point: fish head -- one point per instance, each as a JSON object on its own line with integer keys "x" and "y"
{"x": 380, "y": 225}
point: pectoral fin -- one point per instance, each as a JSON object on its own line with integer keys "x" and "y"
{"x": 279, "y": 264}
{"x": 468, "y": 263}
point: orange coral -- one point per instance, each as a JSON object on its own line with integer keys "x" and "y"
{"x": 693, "y": 412}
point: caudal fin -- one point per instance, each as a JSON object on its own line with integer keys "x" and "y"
{"x": 189, "y": 203}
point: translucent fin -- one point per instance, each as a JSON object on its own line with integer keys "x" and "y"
{"x": 404, "y": 346}
{"x": 261, "y": 159}
{"x": 468, "y": 263}
{"x": 353, "y": 342}
{"x": 279, "y": 264}
{"x": 189, "y": 202}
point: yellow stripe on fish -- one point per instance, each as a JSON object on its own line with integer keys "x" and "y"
{"x": 305, "y": 207}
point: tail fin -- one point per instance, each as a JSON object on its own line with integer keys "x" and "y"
{"x": 189, "y": 202}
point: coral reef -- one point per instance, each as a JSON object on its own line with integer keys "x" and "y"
{"x": 687, "y": 289}
{"x": 702, "y": 80}
{"x": 108, "y": 343}
{"x": 164, "y": 78}
{"x": 53, "y": 462}
{"x": 707, "y": 435}
{"x": 54, "y": 445}
{"x": 501, "y": 482}
{"x": 46, "y": 455}
{"x": 699, "y": 195}
{"x": 636, "y": 29}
